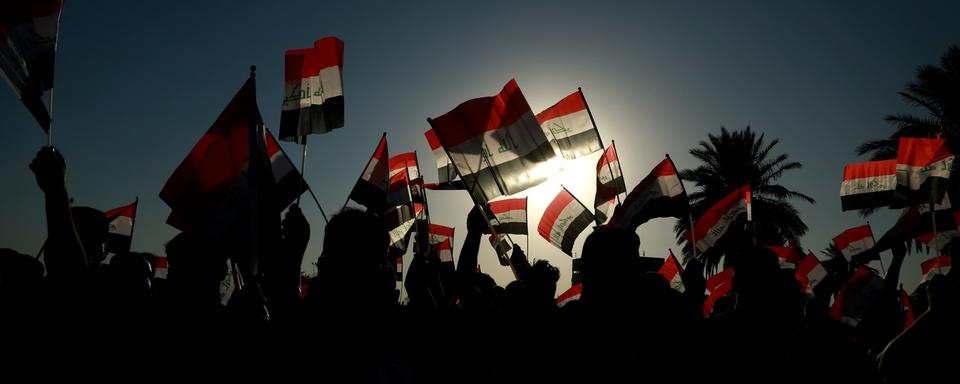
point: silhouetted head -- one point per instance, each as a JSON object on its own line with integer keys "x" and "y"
{"x": 194, "y": 268}
{"x": 92, "y": 227}
{"x": 131, "y": 274}
{"x": 353, "y": 267}
{"x": 541, "y": 280}
{"x": 19, "y": 274}
{"x": 610, "y": 266}
{"x": 761, "y": 286}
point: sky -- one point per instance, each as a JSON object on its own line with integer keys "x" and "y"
{"x": 138, "y": 84}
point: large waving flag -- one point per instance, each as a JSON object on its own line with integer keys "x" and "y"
{"x": 120, "y": 231}
{"x": 862, "y": 290}
{"x": 660, "y": 194}
{"x": 509, "y": 216}
{"x": 28, "y": 47}
{"x": 938, "y": 265}
{"x": 923, "y": 171}
{"x": 496, "y": 144}
{"x": 570, "y": 295}
{"x": 214, "y": 174}
{"x": 715, "y": 222}
{"x": 868, "y": 185}
{"x": 854, "y": 241}
{"x": 673, "y": 271}
{"x": 563, "y": 220}
{"x": 569, "y": 127}
{"x": 718, "y": 286}
{"x": 313, "y": 101}
{"x": 610, "y": 184}
{"x": 371, "y": 189}
{"x": 810, "y": 273}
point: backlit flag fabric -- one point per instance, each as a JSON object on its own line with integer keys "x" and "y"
{"x": 568, "y": 126}
{"x": 923, "y": 170}
{"x": 313, "y": 83}
{"x": 444, "y": 251}
{"x": 787, "y": 257}
{"x": 672, "y": 271}
{"x": 660, "y": 194}
{"x": 206, "y": 187}
{"x": 810, "y": 273}
{"x": 854, "y": 241}
{"x": 609, "y": 184}
{"x": 510, "y": 216}
{"x": 570, "y": 295}
{"x": 28, "y": 45}
{"x": 715, "y": 222}
{"x": 446, "y": 172}
{"x": 496, "y": 144}
{"x": 371, "y": 188}
{"x": 938, "y": 265}
{"x": 563, "y": 221}
{"x": 120, "y": 230}
{"x": 868, "y": 185}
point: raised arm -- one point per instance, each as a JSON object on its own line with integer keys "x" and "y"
{"x": 64, "y": 254}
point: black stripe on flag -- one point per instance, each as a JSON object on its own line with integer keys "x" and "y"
{"x": 490, "y": 179}
{"x": 583, "y": 220}
{"x": 572, "y": 147}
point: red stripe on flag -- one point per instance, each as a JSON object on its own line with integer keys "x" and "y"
{"x": 432, "y": 139}
{"x": 506, "y": 205}
{"x": 553, "y": 211}
{"x": 870, "y": 169}
{"x": 710, "y": 218}
{"x": 329, "y": 51}
{"x": 918, "y": 152}
{"x": 476, "y": 116}
{"x": 571, "y": 104}
{"x": 852, "y": 235}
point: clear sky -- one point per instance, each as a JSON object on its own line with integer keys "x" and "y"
{"x": 138, "y": 83}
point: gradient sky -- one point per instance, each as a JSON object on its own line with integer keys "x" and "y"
{"x": 137, "y": 84}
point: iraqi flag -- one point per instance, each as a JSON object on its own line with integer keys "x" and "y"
{"x": 446, "y": 172}
{"x": 610, "y": 184}
{"x": 398, "y": 221}
{"x": 313, "y": 82}
{"x": 572, "y": 294}
{"x": 160, "y": 268}
{"x": 28, "y": 49}
{"x": 672, "y": 271}
{"x": 810, "y": 273}
{"x": 496, "y": 144}
{"x": 405, "y": 167}
{"x": 502, "y": 247}
{"x": 715, "y": 222}
{"x": 718, "y": 286}
{"x": 948, "y": 224}
{"x": 854, "y": 241}
{"x": 371, "y": 188}
{"x": 909, "y": 225}
{"x": 868, "y": 185}
{"x": 440, "y": 233}
{"x": 569, "y": 127}
{"x": 563, "y": 220}
{"x": 660, "y": 194}
{"x": 206, "y": 189}
{"x": 444, "y": 251}
{"x": 509, "y": 216}
{"x": 862, "y": 290}
{"x": 923, "y": 171}
{"x": 788, "y": 257}
{"x": 938, "y": 265}
{"x": 120, "y": 230}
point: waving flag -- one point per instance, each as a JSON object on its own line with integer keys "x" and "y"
{"x": 398, "y": 221}
{"x": 854, "y": 241}
{"x": 444, "y": 251}
{"x": 788, "y": 257}
{"x": 371, "y": 189}
{"x": 868, "y": 185}
{"x": 718, "y": 286}
{"x": 569, "y": 127}
{"x": 563, "y": 220}
{"x": 572, "y": 294}
{"x": 206, "y": 186}
{"x": 28, "y": 47}
{"x": 948, "y": 224}
{"x": 810, "y": 273}
{"x": 496, "y": 144}
{"x": 672, "y": 271}
{"x": 510, "y": 216}
{"x": 715, "y": 222}
{"x": 923, "y": 171}
{"x": 862, "y": 290}
{"x": 446, "y": 172}
{"x": 313, "y": 101}
{"x": 609, "y": 184}
{"x": 938, "y": 265}
{"x": 502, "y": 247}
{"x": 660, "y": 194}
{"x": 120, "y": 231}
{"x": 160, "y": 268}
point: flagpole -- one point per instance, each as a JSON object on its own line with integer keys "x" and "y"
{"x": 610, "y": 168}
{"x": 476, "y": 181}
{"x": 322, "y": 213}
{"x": 526, "y": 206}
{"x": 303, "y": 162}
{"x": 50, "y": 108}
{"x": 590, "y": 113}
{"x": 933, "y": 219}
{"x": 693, "y": 232}
{"x": 133, "y": 221}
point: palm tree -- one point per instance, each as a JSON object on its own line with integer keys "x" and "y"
{"x": 936, "y": 91}
{"x": 731, "y": 160}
